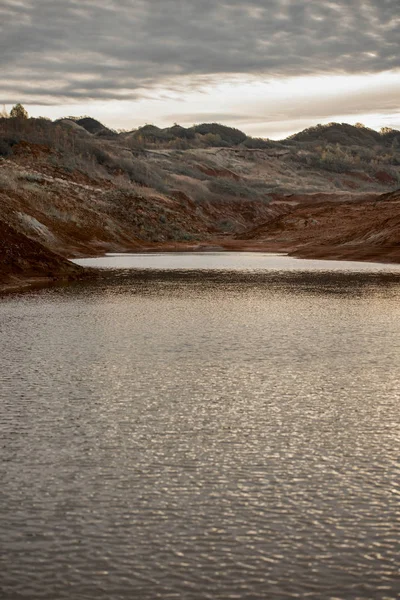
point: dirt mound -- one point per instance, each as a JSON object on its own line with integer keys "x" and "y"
{"x": 22, "y": 257}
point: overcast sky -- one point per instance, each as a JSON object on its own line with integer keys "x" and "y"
{"x": 270, "y": 67}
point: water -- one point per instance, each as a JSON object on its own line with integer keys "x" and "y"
{"x": 202, "y": 435}
{"x": 232, "y": 261}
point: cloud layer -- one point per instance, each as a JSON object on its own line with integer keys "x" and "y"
{"x": 54, "y": 51}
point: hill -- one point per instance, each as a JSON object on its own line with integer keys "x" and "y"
{"x": 75, "y": 192}
{"x": 347, "y": 135}
{"x": 92, "y": 126}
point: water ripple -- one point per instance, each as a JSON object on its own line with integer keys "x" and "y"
{"x": 222, "y": 441}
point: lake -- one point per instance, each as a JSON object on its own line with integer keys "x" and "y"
{"x": 230, "y": 261}
{"x": 210, "y": 426}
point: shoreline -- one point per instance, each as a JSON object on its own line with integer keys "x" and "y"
{"x": 382, "y": 255}
{"x": 14, "y": 285}
{"x": 346, "y": 252}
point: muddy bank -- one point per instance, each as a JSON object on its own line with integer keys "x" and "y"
{"x": 26, "y": 263}
{"x": 384, "y": 254}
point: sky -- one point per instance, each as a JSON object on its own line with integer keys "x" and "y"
{"x": 268, "y": 67}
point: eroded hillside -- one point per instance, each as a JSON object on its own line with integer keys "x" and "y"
{"x": 76, "y": 188}
{"x": 364, "y": 228}
{"x": 25, "y": 261}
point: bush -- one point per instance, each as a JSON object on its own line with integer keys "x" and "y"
{"x": 31, "y": 177}
{"x": 336, "y": 159}
{"x": 182, "y": 168}
{"x": 6, "y": 147}
{"x": 213, "y": 140}
{"x": 102, "y": 156}
{"x": 7, "y": 181}
{"x": 152, "y": 133}
{"x": 177, "y": 131}
{"x": 230, "y": 187}
{"x": 141, "y": 173}
{"x": 259, "y": 143}
{"x": 229, "y": 135}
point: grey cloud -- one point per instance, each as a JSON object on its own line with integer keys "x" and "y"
{"x": 130, "y": 44}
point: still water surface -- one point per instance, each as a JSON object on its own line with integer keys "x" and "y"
{"x": 202, "y": 435}
{"x": 230, "y": 261}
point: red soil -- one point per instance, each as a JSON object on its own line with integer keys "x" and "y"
{"x": 23, "y": 258}
{"x": 365, "y": 229}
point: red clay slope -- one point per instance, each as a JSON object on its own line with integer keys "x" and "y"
{"x": 25, "y": 260}
{"x": 366, "y": 229}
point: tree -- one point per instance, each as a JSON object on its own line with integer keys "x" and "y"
{"x": 18, "y": 112}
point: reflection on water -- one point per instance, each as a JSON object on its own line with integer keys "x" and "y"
{"x": 231, "y": 261}
{"x": 201, "y": 435}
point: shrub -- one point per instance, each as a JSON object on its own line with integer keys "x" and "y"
{"x": 142, "y": 173}
{"x": 31, "y": 177}
{"x": 182, "y": 168}
{"x": 229, "y": 135}
{"x": 177, "y": 131}
{"x": 7, "y": 181}
{"x": 102, "y": 156}
{"x": 230, "y": 187}
{"x": 259, "y": 143}
{"x": 152, "y": 133}
{"x": 5, "y": 147}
